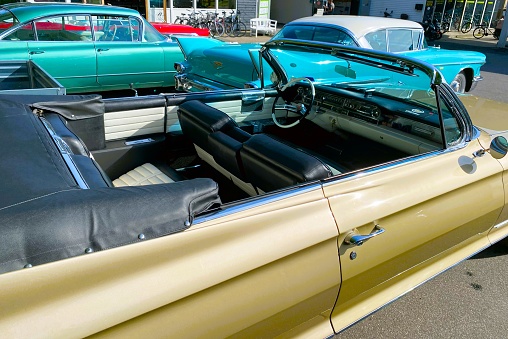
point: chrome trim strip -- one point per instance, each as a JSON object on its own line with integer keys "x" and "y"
{"x": 257, "y": 201}
{"x": 187, "y": 84}
{"x": 501, "y": 224}
{"x": 66, "y": 153}
{"x": 393, "y": 164}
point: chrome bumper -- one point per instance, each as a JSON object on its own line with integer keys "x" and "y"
{"x": 183, "y": 83}
{"x": 475, "y": 82}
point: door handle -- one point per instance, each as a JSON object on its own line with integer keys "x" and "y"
{"x": 36, "y": 52}
{"x": 102, "y": 49}
{"x": 358, "y": 239}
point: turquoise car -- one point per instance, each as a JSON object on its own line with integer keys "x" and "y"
{"x": 88, "y": 48}
{"x": 219, "y": 67}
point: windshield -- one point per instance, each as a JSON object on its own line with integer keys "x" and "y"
{"x": 355, "y": 69}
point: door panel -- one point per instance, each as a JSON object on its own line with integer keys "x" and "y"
{"x": 272, "y": 260}
{"x": 440, "y": 203}
{"x": 120, "y": 63}
{"x": 71, "y": 63}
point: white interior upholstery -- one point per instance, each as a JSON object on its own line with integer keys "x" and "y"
{"x": 146, "y": 174}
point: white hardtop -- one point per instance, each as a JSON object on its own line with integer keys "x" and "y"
{"x": 359, "y": 25}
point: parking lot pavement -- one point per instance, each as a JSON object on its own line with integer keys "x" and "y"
{"x": 467, "y": 39}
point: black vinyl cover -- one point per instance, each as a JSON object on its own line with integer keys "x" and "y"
{"x": 71, "y": 223}
{"x": 45, "y": 216}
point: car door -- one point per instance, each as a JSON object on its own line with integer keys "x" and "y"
{"x": 64, "y": 48}
{"x": 14, "y": 46}
{"x": 423, "y": 214}
{"x": 123, "y": 58}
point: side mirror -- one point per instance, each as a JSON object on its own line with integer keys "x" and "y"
{"x": 498, "y": 147}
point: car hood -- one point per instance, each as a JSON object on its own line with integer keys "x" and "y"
{"x": 438, "y": 56}
{"x": 227, "y": 63}
{"x": 486, "y": 114}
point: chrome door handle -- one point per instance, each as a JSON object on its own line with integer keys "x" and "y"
{"x": 103, "y": 50}
{"x": 36, "y": 52}
{"x": 358, "y": 239}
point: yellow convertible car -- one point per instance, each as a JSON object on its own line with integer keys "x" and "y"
{"x": 291, "y": 210}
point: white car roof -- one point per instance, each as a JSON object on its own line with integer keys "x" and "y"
{"x": 359, "y": 25}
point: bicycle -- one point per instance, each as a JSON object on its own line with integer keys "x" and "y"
{"x": 234, "y": 25}
{"x": 483, "y": 30}
{"x": 214, "y": 24}
{"x": 181, "y": 20}
{"x": 468, "y": 25}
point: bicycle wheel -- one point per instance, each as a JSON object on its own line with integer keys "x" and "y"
{"x": 466, "y": 27}
{"x": 228, "y": 29}
{"x": 479, "y": 32}
{"x": 239, "y": 29}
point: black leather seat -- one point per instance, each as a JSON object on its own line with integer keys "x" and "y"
{"x": 270, "y": 164}
{"x": 214, "y": 132}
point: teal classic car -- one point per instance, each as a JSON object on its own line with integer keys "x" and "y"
{"x": 88, "y": 48}
{"x": 461, "y": 69}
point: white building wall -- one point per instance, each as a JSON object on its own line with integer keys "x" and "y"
{"x": 378, "y": 7}
{"x": 286, "y": 11}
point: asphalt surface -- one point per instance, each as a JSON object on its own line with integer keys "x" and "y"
{"x": 471, "y": 299}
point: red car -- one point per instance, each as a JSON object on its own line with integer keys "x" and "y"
{"x": 169, "y": 29}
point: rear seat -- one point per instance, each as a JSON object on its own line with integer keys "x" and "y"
{"x": 92, "y": 173}
{"x": 148, "y": 174}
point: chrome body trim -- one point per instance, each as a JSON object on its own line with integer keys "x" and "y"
{"x": 501, "y": 224}
{"x": 183, "y": 83}
{"x": 253, "y": 202}
{"x": 475, "y": 81}
{"x": 66, "y": 153}
{"x": 393, "y": 164}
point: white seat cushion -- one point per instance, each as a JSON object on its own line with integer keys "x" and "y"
{"x": 146, "y": 174}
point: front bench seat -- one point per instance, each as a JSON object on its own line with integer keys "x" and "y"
{"x": 270, "y": 165}
{"x": 217, "y": 139}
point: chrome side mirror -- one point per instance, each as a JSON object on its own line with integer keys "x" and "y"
{"x": 498, "y": 147}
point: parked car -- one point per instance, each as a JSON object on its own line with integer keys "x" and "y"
{"x": 460, "y": 68}
{"x": 88, "y": 48}
{"x": 297, "y": 208}
{"x": 178, "y": 29}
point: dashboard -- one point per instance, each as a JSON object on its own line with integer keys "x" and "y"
{"x": 401, "y": 124}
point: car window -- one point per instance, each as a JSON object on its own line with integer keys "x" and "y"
{"x": 453, "y": 132}
{"x": 377, "y": 40}
{"x": 63, "y": 28}
{"x": 331, "y": 35}
{"x": 400, "y": 40}
{"x": 324, "y": 34}
{"x": 24, "y": 33}
{"x": 112, "y": 28}
{"x": 6, "y": 20}
{"x": 417, "y": 37}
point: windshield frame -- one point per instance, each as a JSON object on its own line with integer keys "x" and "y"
{"x": 348, "y": 53}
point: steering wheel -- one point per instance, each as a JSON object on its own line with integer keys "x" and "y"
{"x": 291, "y": 106}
